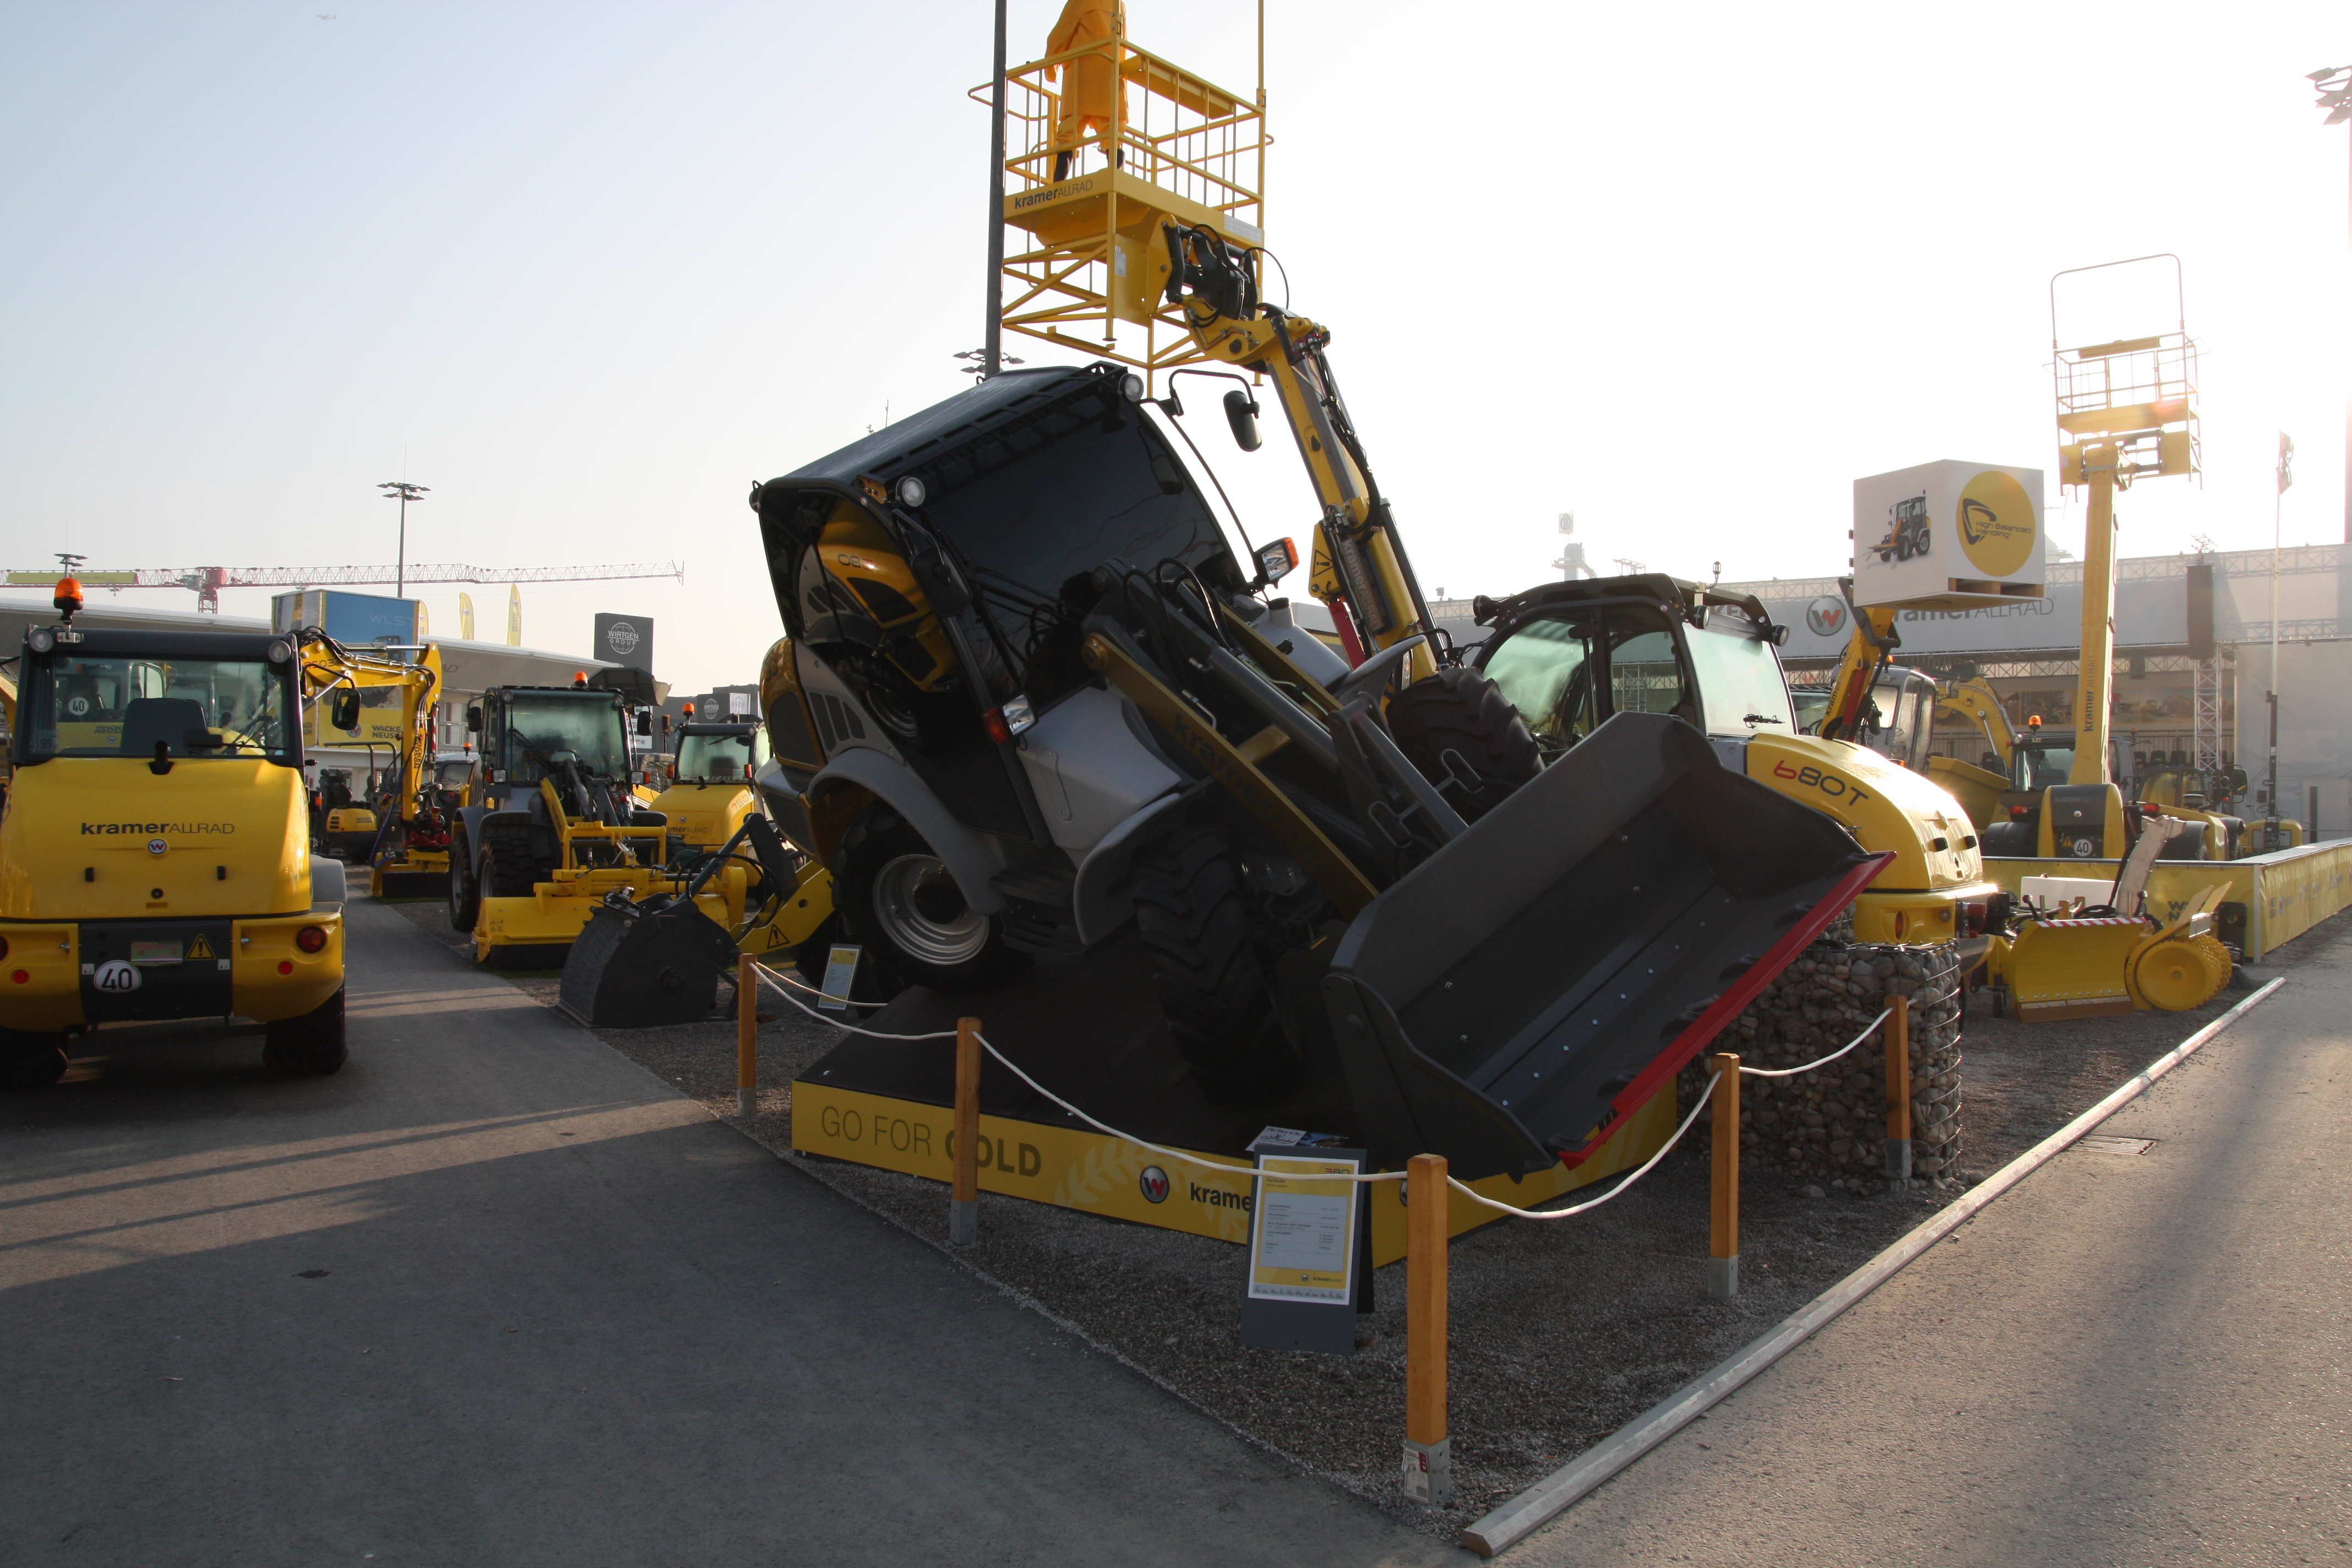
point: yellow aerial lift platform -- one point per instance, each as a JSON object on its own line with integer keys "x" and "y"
{"x": 154, "y": 847}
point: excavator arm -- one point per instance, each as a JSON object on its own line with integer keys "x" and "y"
{"x": 328, "y": 665}
{"x": 1974, "y": 700}
{"x": 1867, "y": 652}
{"x": 1360, "y": 566}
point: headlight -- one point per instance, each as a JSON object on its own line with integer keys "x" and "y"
{"x": 280, "y": 651}
{"x": 911, "y": 491}
{"x": 40, "y": 639}
{"x": 1130, "y": 387}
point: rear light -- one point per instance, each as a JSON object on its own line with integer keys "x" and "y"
{"x": 311, "y": 939}
{"x": 1972, "y": 918}
{"x": 998, "y": 730}
{"x": 2017, "y": 814}
{"x": 20, "y": 977}
{"x": 285, "y": 966}
{"x": 3, "y": 947}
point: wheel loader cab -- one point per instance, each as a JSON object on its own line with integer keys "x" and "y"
{"x": 954, "y": 757}
{"x": 711, "y": 788}
{"x": 1569, "y": 661}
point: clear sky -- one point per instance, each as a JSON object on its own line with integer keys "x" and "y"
{"x": 590, "y": 271}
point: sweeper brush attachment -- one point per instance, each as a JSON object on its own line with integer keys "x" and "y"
{"x": 1512, "y": 1000}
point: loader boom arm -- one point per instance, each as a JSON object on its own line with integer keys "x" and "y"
{"x": 1360, "y": 562}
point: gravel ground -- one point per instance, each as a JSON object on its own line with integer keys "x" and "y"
{"x": 1560, "y": 1332}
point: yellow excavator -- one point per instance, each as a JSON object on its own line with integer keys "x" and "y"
{"x": 405, "y": 839}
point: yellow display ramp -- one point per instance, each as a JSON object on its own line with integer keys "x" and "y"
{"x": 1091, "y": 1033}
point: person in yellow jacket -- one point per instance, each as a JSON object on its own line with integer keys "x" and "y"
{"x": 1091, "y": 93}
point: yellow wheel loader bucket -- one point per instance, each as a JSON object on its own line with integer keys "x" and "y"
{"x": 1518, "y": 998}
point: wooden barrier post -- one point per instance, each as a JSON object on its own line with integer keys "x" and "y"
{"x": 963, "y": 1206}
{"x": 1428, "y": 1452}
{"x": 1723, "y": 1228}
{"x": 1898, "y": 1088}
{"x": 747, "y": 1035}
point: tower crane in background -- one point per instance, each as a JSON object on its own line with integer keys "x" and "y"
{"x": 208, "y": 581}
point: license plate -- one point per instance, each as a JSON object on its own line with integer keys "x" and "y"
{"x": 154, "y": 953}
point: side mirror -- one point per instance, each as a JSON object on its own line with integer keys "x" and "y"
{"x": 343, "y": 713}
{"x": 1277, "y": 561}
{"x": 1241, "y": 412}
{"x": 473, "y": 720}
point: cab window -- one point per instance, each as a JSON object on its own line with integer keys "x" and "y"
{"x": 1739, "y": 681}
{"x": 1567, "y": 675}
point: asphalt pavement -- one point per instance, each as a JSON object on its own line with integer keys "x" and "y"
{"x": 493, "y": 1295}
{"x": 2132, "y": 1358}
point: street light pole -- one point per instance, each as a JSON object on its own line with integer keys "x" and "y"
{"x": 2334, "y": 84}
{"x": 992, "y": 346}
{"x": 404, "y": 492}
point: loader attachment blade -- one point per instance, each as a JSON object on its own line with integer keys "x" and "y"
{"x": 1516, "y": 997}
{"x": 632, "y": 970}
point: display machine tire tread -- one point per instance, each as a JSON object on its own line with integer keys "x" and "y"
{"x": 465, "y": 890}
{"x": 510, "y": 870}
{"x": 311, "y": 1044}
{"x": 1460, "y": 710}
{"x": 1192, "y": 912}
{"x": 31, "y": 1060}
{"x": 878, "y": 842}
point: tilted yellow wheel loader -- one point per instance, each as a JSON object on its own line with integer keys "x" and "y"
{"x": 1032, "y": 700}
{"x": 154, "y": 849}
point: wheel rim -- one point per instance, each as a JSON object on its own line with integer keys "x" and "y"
{"x": 900, "y": 889}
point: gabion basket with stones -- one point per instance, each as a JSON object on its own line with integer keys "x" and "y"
{"x": 1832, "y": 1122}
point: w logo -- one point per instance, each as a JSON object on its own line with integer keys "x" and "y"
{"x": 1153, "y": 1183}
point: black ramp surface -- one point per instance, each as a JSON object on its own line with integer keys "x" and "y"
{"x": 493, "y": 1295}
{"x": 1091, "y": 1032}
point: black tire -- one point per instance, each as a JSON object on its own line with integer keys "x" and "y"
{"x": 1459, "y": 710}
{"x": 509, "y": 868}
{"x": 309, "y": 1045}
{"x": 894, "y": 897}
{"x": 29, "y": 1060}
{"x": 465, "y": 891}
{"x": 1215, "y": 990}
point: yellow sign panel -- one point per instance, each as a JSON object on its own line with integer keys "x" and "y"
{"x": 1995, "y": 522}
{"x": 1073, "y": 1168}
{"x": 1305, "y": 1247}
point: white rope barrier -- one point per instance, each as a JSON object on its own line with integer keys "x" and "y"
{"x": 1483, "y": 1201}
{"x": 773, "y": 978}
{"x": 1179, "y": 1155}
{"x": 1790, "y": 1072}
